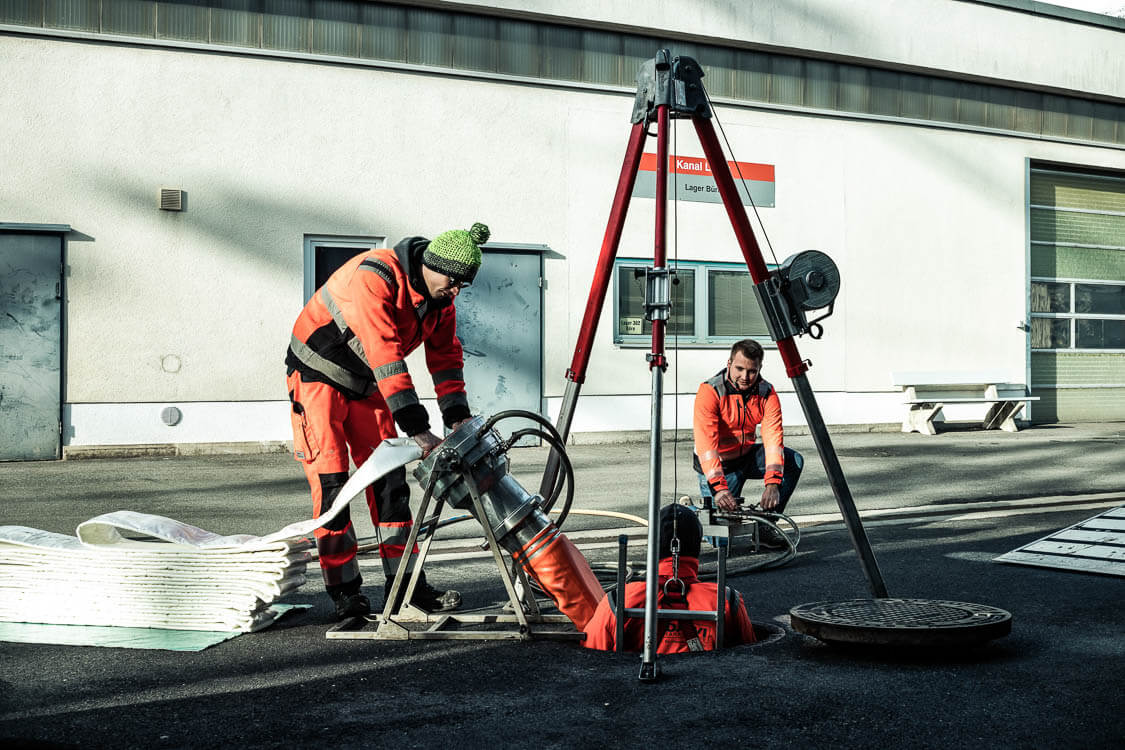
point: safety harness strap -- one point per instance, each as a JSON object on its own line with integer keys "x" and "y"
{"x": 690, "y": 631}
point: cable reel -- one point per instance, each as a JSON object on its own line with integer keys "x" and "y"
{"x": 805, "y": 282}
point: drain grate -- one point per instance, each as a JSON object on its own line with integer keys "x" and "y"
{"x": 901, "y": 622}
{"x": 1096, "y": 545}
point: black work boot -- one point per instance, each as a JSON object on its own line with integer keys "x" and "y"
{"x": 426, "y": 597}
{"x": 349, "y": 600}
{"x": 351, "y": 605}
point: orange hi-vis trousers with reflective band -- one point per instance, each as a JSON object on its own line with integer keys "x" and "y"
{"x": 328, "y": 430}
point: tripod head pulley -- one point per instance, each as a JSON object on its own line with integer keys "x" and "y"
{"x": 675, "y": 82}
{"x": 805, "y": 282}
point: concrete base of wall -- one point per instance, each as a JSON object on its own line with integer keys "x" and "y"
{"x": 78, "y": 452}
{"x": 137, "y": 429}
{"x": 74, "y": 452}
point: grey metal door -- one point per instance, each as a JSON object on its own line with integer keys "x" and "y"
{"x": 500, "y": 324}
{"x": 30, "y": 346}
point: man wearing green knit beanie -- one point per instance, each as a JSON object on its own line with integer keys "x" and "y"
{"x": 452, "y": 259}
{"x": 350, "y": 390}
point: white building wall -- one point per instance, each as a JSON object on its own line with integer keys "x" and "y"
{"x": 194, "y": 309}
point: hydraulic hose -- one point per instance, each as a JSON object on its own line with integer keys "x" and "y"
{"x": 559, "y": 444}
{"x": 567, "y": 478}
{"x": 512, "y": 413}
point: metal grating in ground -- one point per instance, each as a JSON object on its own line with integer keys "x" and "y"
{"x": 1096, "y": 545}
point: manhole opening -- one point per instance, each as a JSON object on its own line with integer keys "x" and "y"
{"x": 766, "y": 634}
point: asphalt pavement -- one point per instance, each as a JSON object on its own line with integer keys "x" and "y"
{"x": 937, "y": 510}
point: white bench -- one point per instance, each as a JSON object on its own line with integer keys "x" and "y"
{"x": 928, "y": 392}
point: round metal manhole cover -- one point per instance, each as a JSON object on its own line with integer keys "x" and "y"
{"x": 901, "y": 622}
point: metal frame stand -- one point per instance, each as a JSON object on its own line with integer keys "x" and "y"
{"x": 673, "y": 88}
{"x": 718, "y": 616}
{"x": 749, "y": 523}
{"x": 391, "y": 625}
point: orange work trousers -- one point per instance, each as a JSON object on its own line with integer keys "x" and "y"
{"x": 330, "y": 430}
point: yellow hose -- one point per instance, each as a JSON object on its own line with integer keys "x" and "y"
{"x": 608, "y": 514}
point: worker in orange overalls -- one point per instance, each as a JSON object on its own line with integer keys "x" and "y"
{"x": 728, "y": 409}
{"x": 680, "y": 588}
{"x": 349, "y": 388}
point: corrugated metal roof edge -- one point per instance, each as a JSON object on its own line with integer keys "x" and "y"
{"x": 1056, "y": 11}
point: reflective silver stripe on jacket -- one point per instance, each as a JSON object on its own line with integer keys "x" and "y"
{"x": 334, "y": 309}
{"x": 402, "y": 399}
{"x": 453, "y": 399}
{"x": 382, "y": 372}
{"x": 383, "y": 270}
{"x": 444, "y": 376}
{"x": 338, "y": 374}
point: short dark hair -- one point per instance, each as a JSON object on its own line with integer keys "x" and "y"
{"x": 748, "y": 348}
{"x": 685, "y": 523}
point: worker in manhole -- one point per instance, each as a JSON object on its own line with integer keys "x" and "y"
{"x": 680, "y": 588}
{"x": 728, "y": 409}
{"x": 349, "y": 388}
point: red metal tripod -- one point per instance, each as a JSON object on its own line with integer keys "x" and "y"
{"x": 670, "y": 88}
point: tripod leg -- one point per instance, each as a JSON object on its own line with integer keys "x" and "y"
{"x": 787, "y": 348}
{"x": 657, "y": 363}
{"x": 602, "y": 276}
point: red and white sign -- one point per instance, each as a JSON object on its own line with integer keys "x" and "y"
{"x": 693, "y": 180}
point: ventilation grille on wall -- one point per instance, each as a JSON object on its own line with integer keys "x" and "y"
{"x": 171, "y": 199}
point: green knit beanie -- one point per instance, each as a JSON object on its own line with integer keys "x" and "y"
{"x": 457, "y": 252}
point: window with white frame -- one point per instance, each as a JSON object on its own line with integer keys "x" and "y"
{"x": 1072, "y": 314}
{"x": 713, "y": 304}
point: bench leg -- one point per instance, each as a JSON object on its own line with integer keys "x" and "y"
{"x": 921, "y": 418}
{"x": 1003, "y": 415}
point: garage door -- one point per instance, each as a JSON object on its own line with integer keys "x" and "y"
{"x": 1077, "y": 295}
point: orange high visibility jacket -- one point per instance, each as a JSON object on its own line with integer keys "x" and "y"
{"x": 357, "y": 329}
{"x": 724, "y": 427}
{"x": 673, "y": 636}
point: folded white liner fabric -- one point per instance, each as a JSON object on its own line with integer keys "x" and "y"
{"x": 178, "y": 576}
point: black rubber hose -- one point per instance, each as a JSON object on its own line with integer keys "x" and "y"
{"x": 568, "y": 474}
{"x": 531, "y": 432}
{"x": 524, "y": 415}
{"x": 559, "y": 445}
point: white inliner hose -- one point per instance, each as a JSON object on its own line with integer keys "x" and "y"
{"x": 192, "y": 579}
{"x": 106, "y": 529}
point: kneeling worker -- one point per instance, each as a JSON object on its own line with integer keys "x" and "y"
{"x": 728, "y": 409}
{"x": 674, "y": 636}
